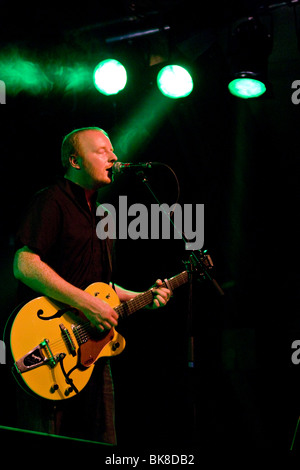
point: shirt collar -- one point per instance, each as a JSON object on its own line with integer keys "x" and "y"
{"x": 76, "y": 192}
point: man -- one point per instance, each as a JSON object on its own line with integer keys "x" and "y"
{"x": 58, "y": 255}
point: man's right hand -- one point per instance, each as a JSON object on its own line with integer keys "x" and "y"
{"x": 100, "y": 314}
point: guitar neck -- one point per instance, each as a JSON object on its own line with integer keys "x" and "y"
{"x": 142, "y": 300}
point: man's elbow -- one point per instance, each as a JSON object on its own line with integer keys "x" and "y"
{"x": 21, "y": 264}
{"x": 17, "y": 267}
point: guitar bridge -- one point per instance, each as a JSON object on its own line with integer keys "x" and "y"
{"x": 38, "y": 356}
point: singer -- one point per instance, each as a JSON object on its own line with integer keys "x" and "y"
{"x": 58, "y": 254}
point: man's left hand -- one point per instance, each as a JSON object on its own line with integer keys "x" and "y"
{"x": 161, "y": 294}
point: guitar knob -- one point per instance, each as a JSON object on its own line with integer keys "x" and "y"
{"x": 54, "y": 388}
{"x": 115, "y": 346}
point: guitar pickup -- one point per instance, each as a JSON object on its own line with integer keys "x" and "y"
{"x": 38, "y": 356}
{"x": 67, "y": 339}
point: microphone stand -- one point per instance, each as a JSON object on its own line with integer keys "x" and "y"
{"x": 195, "y": 259}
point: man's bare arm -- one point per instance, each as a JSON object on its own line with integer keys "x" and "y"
{"x": 36, "y": 274}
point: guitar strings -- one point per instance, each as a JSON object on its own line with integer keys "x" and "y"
{"x": 123, "y": 309}
{"x": 81, "y": 329}
{"x": 85, "y": 327}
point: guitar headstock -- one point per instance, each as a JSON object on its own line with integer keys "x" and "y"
{"x": 199, "y": 262}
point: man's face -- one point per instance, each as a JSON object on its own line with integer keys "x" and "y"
{"x": 96, "y": 158}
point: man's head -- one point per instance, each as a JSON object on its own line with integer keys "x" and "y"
{"x": 87, "y": 157}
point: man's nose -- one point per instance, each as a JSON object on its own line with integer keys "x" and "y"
{"x": 113, "y": 157}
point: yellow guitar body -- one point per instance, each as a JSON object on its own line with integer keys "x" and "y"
{"x": 55, "y": 348}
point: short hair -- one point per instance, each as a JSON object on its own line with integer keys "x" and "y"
{"x": 70, "y": 144}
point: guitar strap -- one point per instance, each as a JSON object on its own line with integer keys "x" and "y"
{"x": 108, "y": 244}
{"x": 109, "y": 248}
{"x": 108, "y": 251}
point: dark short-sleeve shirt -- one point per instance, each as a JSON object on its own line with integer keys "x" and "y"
{"x": 61, "y": 228}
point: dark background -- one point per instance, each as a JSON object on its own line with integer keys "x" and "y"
{"x": 238, "y": 157}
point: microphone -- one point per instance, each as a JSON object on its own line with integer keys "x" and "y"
{"x": 120, "y": 167}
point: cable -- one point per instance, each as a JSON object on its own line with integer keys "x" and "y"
{"x": 69, "y": 381}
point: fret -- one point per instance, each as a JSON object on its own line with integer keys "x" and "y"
{"x": 127, "y": 308}
{"x": 178, "y": 280}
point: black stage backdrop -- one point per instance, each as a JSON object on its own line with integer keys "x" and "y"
{"x": 240, "y": 159}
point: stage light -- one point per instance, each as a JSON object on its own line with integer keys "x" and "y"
{"x": 247, "y": 87}
{"x": 249, "y": 48}
{"x": 174, "y": 81}
{"x": 110, "y": 77}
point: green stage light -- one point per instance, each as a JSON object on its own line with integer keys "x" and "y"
{"x": 246, "y": 88}
{"x": 250, "y": 45}
{"x": 175, "y": 81}
{"x": 110, "y": 77}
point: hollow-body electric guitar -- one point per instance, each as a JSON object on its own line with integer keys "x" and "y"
{"x": 55, "y": 348}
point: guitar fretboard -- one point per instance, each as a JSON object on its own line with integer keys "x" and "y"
{"x": 127, "y": 308}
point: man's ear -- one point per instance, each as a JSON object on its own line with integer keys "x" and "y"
{"x": 73, "y": 159}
